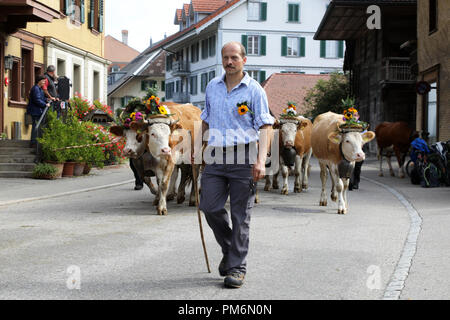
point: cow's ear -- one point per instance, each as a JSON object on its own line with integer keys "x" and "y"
{"x": 302, "y": 125}
{"x": 138, "y": 126}
{"x": 277, "y": 125}
{"x": 175, "y": 126}
{"x": 335, "y": 137}
{"x": 368, "y": 136}
{"x": 116, "y": 130}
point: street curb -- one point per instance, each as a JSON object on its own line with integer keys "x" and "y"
{"x": 401, "y": 272}
{"x": 7, "y": 203}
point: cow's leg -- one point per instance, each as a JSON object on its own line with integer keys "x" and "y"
{"x": 391, "y": 171}
{"x": 164, "y": 186}
{"x": 334, "y": 172}
{"x": 401, "y": 173}
{"x": 298, "y": 174}
{"x": 185, "y": 172}
{"x": 346, "y": 184}
{"x": 285, "y": 174}
{"x": 334, "y": 194}
{"x": 306, "y": 169}
{"x": 268, "y": 183}
{"x": 158, "y": 183}
{"x": 275, "y": 185}
{"x": 323, "y": 178}
{"x": 172, "y": 193}
{"x": 149, "y": 183}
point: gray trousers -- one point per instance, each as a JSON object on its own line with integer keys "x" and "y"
{"x": 217, "y": 183}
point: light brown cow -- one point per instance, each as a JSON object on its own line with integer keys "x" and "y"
{"x": 294, "y": 149}
{"x": 337, "y": 152}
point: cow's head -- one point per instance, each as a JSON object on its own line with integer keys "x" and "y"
{"x": 135, "y": 141}
{"x": 351, "y": 143}
{"x": 158, "y": 133}
{"x": 289, "y": 129}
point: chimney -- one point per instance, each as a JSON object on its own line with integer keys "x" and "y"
{"x": 151, "y": 42}
{"x": 125, "y": 37}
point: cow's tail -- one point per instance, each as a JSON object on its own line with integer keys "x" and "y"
{"x": 379, "y": 153}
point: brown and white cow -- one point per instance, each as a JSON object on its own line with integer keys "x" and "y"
{"x": 294, "y": 149}
{"x": 337, "y": 152}
{"x": 394, "y": 137}
{"x": 161, "y": 143}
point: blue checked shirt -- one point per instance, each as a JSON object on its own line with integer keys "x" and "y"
{"x": 221, "y": 112}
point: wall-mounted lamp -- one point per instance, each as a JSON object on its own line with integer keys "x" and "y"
{"x": 9, "y": 61}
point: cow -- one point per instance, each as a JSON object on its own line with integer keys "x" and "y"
{"x": 337, "y": 151}
{"x": 295, "y": 150}
{"x": 162, "y": 138}
{"x": 394, "y": 137}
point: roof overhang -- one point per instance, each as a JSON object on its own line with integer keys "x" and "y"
{"x": 346, "y": 19}
{"x": 15, "y": 14}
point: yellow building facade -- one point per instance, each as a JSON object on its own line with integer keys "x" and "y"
{"x": 68, "y": 34}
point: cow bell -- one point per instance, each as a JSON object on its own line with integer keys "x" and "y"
{"x": 288, "y": 154}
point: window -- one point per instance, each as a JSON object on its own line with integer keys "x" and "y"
{"x": 212, "y": 46}
{"x": 254, "y": 45}
{"x": 211, "y": 75}
{"x": 293, "y": 12}
{"x": 257, "y": 11}
{"x": 204, "y": 79}
{"x": 169, "y": 61}
{"x": 146, "y": 84}
{"x": 193, "y": 90}
{"x": 25, "y": 74}
{"x": 96, "y": 80}
{"x": 205, "y": 49}
{"x": 96, "y": 15}
{"x": 433, "y": 17}
{"x": 195, "y": 52}
{"x": 115, "y": 68}
{"x": 60, "y": 67}
{"x": 76, "y": 85}
{"x": 169, "y": 90}
{"x": 258, "y": 75}
{"x": 331, "y": 49}
{"x": 163, "y": 85}
{"x": 431, "y": 116}
{"x": 293, "y": 46}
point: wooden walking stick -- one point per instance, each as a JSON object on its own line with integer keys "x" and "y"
{"x": 195, "y": 182}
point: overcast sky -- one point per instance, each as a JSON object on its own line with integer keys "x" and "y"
{"x": 142, "y": 18}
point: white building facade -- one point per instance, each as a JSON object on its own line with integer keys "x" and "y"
{"x": 278, "y": 36}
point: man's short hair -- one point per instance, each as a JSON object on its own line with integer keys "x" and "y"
{"x": 51, "y": 68}
{"x": 242, "y": 48}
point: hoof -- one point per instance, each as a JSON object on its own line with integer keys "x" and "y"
{"x": 170, "y": 197}
{"x": 162, "y": 211}
{"x": 180, "y": 200}
{"x": 192, "y": 204}
{"x": 342, "y": 211}
{"x": 381, "y": 174}
{"x": 267, "y": 188}
{"x": 285, "y": 191}
{"x": 334, "y": 197}
{"x": 275, "y": 187}
{"x": 392, "y": 174}
{"x": 402, "y": 176}
{"x": 323, "y": 203}
{"x": 257, "y": 200}
{"x": 298, "y": 190}
{"x": 305, "y": 186}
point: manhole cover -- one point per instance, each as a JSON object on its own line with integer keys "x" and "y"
{"x": 297, "y": 210}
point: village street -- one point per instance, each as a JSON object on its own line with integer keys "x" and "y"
{"x": 110, "y": 244}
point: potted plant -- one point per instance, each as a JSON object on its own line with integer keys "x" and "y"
{"x": 3, "y": 136}
{"x": 44, "y": 171}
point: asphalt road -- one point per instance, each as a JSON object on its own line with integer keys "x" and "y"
{"x": 118, "y": 248}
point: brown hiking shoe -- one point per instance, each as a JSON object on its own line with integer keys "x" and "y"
{"x": 234, "y": 280}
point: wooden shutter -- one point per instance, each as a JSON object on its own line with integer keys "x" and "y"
{"x": 100, "y": 17}
{"x": 341, "y": 49}
{"x": 244, "y": 41}
{"x": 262, "y": 76}
{"x": 92, "y": 14}
{"x": 82, "y": 12}
{"x": 263, "y": 11}
{"x": 263, "y": 45}
{"x": 283, "y": 46}
{"x": 163, "y": 85}
{"x": 322, "y": 48}
{"x": 291, "y": 13}
{"x": 296, "y": 9}
{"x": 302, "y": 47}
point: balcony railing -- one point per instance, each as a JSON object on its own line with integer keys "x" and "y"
{"x": 181, "y": 97}
{"x": 180, "y": 68}
{"x": 398, "y": 70}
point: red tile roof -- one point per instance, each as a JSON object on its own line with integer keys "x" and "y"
{"x": 284, "y": 87}
{"x": 186, "y": 9}
{"x": 179, "y": 13}
{"x": 207, "y": 5}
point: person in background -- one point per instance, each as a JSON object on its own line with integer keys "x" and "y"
{"x": 50, "y": 88}
{"x": 36, "y": 105}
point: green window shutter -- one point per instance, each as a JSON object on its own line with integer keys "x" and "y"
{"x": 100, "y": 18}
{"x": 291, "y": 13}
{"x": 302, "y": 47}
{"x": 123, "y": 101}
{"x": 296, "y": 9}
{"x": 163, "y": 85}
{"x": 244, "y": 41}
{"x": 263, "y": 12}
{"x": 91, "y": 14}
{"x": 322, "y": 48}
{"x": 341, "y": 49}
{"x": 82, "y": 12}
{"x": 262, "y": 76}
{"x": 142, "y": 85}
{"x": 263, "y": 45}
{"x": 283, "y": 46}
{"x": 66, "y": 7}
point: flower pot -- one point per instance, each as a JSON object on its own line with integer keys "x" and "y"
{"x": 78, "y": 169}
{"x": 87, "y": 168}
{"x": 59, "y": 167}
{"x": 68, "y": 169}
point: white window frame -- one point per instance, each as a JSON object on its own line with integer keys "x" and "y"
{"x": 293, "y": 48}
{"x": 253, "y": 50}
{"x": 252, "y": 74}
{"x": 329, "y": 49}
{"x": 254, "y": 17}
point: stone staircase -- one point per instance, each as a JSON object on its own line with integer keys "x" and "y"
{"x": 16, "y": 159}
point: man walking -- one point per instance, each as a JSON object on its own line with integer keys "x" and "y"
{"x": 236, "y": 104}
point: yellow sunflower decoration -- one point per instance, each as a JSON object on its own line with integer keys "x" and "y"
{"x": 162, "y": 110}
{"x": 243, "y": 108}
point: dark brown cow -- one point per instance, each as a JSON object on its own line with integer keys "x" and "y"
{"x": 394, "y": 137}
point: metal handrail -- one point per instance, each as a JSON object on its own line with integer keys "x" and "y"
{"x": 39, "y": 134}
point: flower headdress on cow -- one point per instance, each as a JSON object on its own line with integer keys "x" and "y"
{"x": 351, "y": 117}
{"x": 156, "y": 112}
{"x": 133, "y": 112}
{"x": 289, "y": 114}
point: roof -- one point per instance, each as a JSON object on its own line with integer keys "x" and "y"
{"x": 186, "y": 9}
{"x": 207, "y": 5}
{"x": 178, "y": 18}
{"x": 117, "y": 51}
{"x": 282, "y": 88}
{"x": 346, "y": 19}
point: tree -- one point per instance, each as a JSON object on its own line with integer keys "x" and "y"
{"x": 327, "y": 95}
